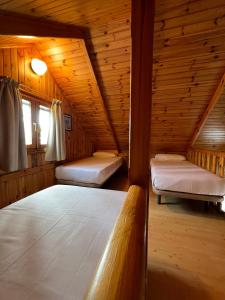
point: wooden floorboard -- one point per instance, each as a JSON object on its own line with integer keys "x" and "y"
{"x": 186, "y": 255}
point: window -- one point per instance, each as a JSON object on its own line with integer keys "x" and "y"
{"x": 26, "y": 107}
{"x": 36, "y": 118}
{"x": 44, "y": 122}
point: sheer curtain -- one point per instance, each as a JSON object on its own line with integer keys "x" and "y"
{"x": 56, "y": 147}
{"x": 13, "y": 152}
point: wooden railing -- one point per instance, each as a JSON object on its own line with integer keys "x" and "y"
{"x": 121, "y": 272}
{"x": 213, "y": 161}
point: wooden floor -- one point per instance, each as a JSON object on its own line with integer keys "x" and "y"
{"x": 186, "y": 255}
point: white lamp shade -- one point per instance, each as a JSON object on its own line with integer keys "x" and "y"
{"x": 38, "y": 66}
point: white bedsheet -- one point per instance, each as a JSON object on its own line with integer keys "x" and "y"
{"x": 51, "y": 242}
{"x": 91, "y": 170}
{"x": 185, "y": 177}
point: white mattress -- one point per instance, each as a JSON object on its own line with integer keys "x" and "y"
{"x": 51, "y": 242}
{"x": 185, "y": 177}
{"x": 90, "y": 170}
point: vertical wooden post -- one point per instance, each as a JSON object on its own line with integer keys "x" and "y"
{"x": 142, "y": 28}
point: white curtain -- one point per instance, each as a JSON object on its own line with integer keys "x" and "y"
{"x": 13, "y": 152}
{"x": 56, "y": 147}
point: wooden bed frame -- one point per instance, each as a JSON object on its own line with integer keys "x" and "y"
{"x": 121, "y": 272}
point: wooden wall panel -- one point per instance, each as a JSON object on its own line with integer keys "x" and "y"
{"x": 15, "y": 63}
{"x": 70, "y": 65}
{"x": 189, "y": 59}
{"x": 213, "y": 161}
{"x": 16, "y": 185}
{"x": 212, "y": 136}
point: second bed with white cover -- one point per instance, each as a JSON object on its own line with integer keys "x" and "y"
{"x": 90, "y": 171}
{"x": 51, "y": 242}
{"x": 185, "y": 177}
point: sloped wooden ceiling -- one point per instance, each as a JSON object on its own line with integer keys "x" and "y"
{"x": 189, "y": 59}
{"x": 212, "y": 136}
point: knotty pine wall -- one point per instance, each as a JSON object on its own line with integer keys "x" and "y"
{"x": 15, "y": 63}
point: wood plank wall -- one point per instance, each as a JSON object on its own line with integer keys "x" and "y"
{"x": 15, "y": 63}
{"x": 213, "y": 161}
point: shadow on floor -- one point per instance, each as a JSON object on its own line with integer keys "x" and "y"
{"x": 173, "y": 285}
{"x": 193, "y": 207}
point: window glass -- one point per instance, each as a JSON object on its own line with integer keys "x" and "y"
{"x": 26, "y": 107}
{"x": 44, "y": 121}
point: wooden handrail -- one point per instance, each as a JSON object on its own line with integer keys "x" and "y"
{"x": 121, "y": 272}
{"x": 213, "y": 161}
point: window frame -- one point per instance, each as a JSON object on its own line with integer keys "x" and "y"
{"x": 40, "y": 146}
{"x": 36, "y": 102}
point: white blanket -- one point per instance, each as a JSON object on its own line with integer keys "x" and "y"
{"x": 185, "y": 177}
{"x": 51, "y": 242}
{"x": 92, "y": 170}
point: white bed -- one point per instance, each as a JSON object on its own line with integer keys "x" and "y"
{"x": 51, "y": 242}
{"x": 184, "y": 179}
{"x": 91, "y": 171}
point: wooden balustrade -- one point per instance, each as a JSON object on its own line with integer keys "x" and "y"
{"x": 213, "y": 161}
{"x": 121, "y": 273}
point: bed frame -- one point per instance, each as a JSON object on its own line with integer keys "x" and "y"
{"x": 121, "y": 272}
{"x": 206, "y": 198}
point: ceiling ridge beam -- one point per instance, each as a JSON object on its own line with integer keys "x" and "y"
{"x": 19, "y": 24}
{"x": 102, "y": 102}
{"x": 213, "y": 101}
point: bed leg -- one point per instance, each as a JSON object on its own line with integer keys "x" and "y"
{"x": 159, "y": 199}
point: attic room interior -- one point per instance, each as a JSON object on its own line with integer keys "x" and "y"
{"x": 112, "y": 149}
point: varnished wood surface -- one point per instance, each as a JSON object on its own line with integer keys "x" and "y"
{"x": 14, "y": 24}
{"x": 17, "y": 185}
{"x": 186, "y": 257}
{"x": 212, "y": 136}
{"x": 212, "y": 103}
{"x": 141, "y": 91}
{"x": 189, "y": 60}
{"x": 120, "y": 273}
{"x": 213, "y": 161}
{"x": 109, "y": 48}
{"x": 15, "y": 63}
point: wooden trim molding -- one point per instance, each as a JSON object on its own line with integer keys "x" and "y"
{"x": 18, "y": 24}
{"x": 120, "y": 273}
{"x": 213, "y": 101}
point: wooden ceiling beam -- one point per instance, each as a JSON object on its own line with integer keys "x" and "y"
{"x": 102, "y": 103}
{"x": 213, "y": 101}
{"x": 18, "y": 24}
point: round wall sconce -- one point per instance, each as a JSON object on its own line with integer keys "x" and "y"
{"x": 38, "y": 66}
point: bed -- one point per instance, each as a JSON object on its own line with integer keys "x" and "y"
{"x": 91, "y": 171}
{"x": 180, "y": 178}
{"x": 51, "y": 242}
{"x": 64, "y": 243}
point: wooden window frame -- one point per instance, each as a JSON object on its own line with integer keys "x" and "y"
{"x": 35, "y": 101}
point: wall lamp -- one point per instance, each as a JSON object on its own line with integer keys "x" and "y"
{"x": 38, "y": 66}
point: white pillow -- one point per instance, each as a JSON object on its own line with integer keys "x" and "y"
{"x": 170, "y": 157}
{"x": 104, "y": 154}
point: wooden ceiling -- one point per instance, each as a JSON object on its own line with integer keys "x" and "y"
{"x": 189, "y": 60}
{"x": 213, "y": 133}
